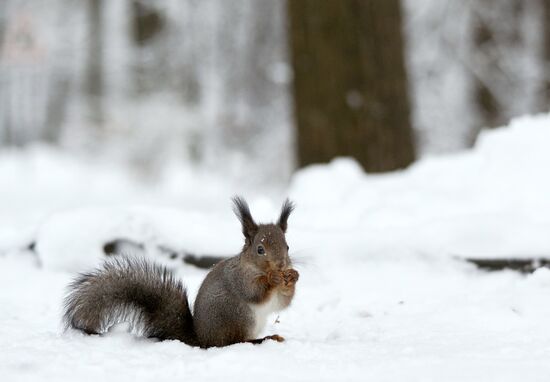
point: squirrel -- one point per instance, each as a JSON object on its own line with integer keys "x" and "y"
{"x": 231, "y": 306}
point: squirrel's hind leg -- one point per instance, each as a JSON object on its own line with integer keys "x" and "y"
{"x": 273, "y": 337}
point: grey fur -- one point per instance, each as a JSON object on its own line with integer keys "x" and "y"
{"x": 286, "y": 210}
{"x": 249, "y": 226}
{"x": 132, "y": 290}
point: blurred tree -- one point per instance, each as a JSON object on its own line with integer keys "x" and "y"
{"x": 497, "y": 34}
{"x": 350, "y": 85}
{"x": 94, "y": 75}
{"x": 147, "y": 22}
{"x": 151, "y": 61}
{"x": 485, "y": 101}
{"x": 546, "y": 54}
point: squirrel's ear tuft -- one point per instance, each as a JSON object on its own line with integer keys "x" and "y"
{"x": 249, "y": 226}
{"x": 287, "y": 208}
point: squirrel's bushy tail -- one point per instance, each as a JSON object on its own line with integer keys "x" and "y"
{"x": 132, "y": 290}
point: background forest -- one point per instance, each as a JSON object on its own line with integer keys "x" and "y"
{"x": 268, "y": 85}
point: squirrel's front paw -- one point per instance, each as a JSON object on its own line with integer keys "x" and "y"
{"x": 291, "y": 276}
{"x": 275, "y": 278}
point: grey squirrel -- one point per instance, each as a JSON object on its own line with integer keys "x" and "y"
{"x": 232, "y": 304}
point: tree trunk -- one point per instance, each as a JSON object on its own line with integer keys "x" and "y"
{"x": 546, "y": 53}
{"x": 350, "y": 85}
{"x": 497, "y": 36}
{"x": 486, "y": 103}
{"x": 150, "y": 65}
{"x": 94, "y": 75}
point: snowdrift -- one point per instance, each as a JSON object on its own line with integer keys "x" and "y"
{"x": 381, "y": 295}
{"x": 491, "y": 201}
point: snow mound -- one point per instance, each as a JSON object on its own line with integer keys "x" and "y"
{"x": 491, "y": 201}
{"x": 379, "y": 284}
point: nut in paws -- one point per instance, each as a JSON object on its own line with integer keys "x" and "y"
{"x": 275, "y": 278}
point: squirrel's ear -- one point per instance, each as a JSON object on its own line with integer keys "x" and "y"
{"x": 288, "y": 207}
{"x": 250, "y": 228}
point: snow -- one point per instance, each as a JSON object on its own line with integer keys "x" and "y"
{"x": 382, "y": 293}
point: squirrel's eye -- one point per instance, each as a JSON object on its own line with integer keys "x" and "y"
{"x": 287, "y": 247}
{"x": 261, "y": 250}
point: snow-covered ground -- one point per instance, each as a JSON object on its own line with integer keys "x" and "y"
{"x": 382, "y": 295}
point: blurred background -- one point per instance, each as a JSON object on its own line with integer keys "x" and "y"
{"x": 254, "y": 89}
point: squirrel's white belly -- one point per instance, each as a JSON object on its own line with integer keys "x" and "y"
{"x": 261, "y": 313}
